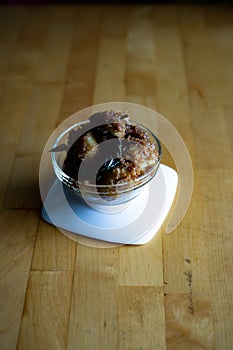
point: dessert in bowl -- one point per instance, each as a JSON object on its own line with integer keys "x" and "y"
{"x": 107, "y": 159}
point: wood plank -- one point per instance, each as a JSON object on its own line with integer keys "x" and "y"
{"x": 171, "y": 92}
{"x": 93, "y": 317}
{"x": 53, "y": 251}
{"x": 165, "y": 15}
{"x": 110, "y": 69}
{"x": 30, "y": 44}
{"x": 12, "y": 115}
{"x": 186, "y": 329}
{"x": 141, "y": 319}
{"x": 177, "y": 250}
{"x": 218, "y": 229}
{"x": 202, "y": 264}
{"x": 39, "y": 123}
{"x": 228, "y": 111}
{"x": 185, "y": 249}
{"x": 206, "y": 108}
{"x": 141, "y": 79}
{"x": 221, "y": 45}
{"x": 40, "y": 118}
{"x": 192, "y": 246}
{"x": 220, "y": 34}
{"x": 12, "y": 20}
{"x": 81, "y": 66}
{"x": 45, "y": 318}
{"x": 142, "y": 265}
{"x": 218, "y": 16}
{"x": 17, "y": 237}
{"x": 52, "y": 66}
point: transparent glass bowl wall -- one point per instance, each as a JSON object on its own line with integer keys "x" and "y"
{"x": 110, "y": 194}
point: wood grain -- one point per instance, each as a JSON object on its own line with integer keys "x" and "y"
{"x": 12, "y": 20}
{"x": 49, "y": 253}
{"x": 40, "y": 117}
{"x": 56, "y": 46}
{"x": 81, "y": 67}
{"x": 205, "y": 103}
{"x": 45, "y": 318}
{"x": 93, "y": 317}
{"x": 12, "y": 117}
{"x": 174, "y": 293}
{"x": 187, "y": 329}
{"x": 147, "y": 268}
{"x": 110, "y": 67}
{"x": 17, "y": 232}
{"x": 141, "y": 318}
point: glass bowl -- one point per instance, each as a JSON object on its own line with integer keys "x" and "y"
{"x": 95, "y": 194}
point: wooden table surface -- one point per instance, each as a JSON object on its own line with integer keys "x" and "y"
{"x": 174, "y": 293}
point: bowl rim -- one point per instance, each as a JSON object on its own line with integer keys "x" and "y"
{"x": 141, "y": 180}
